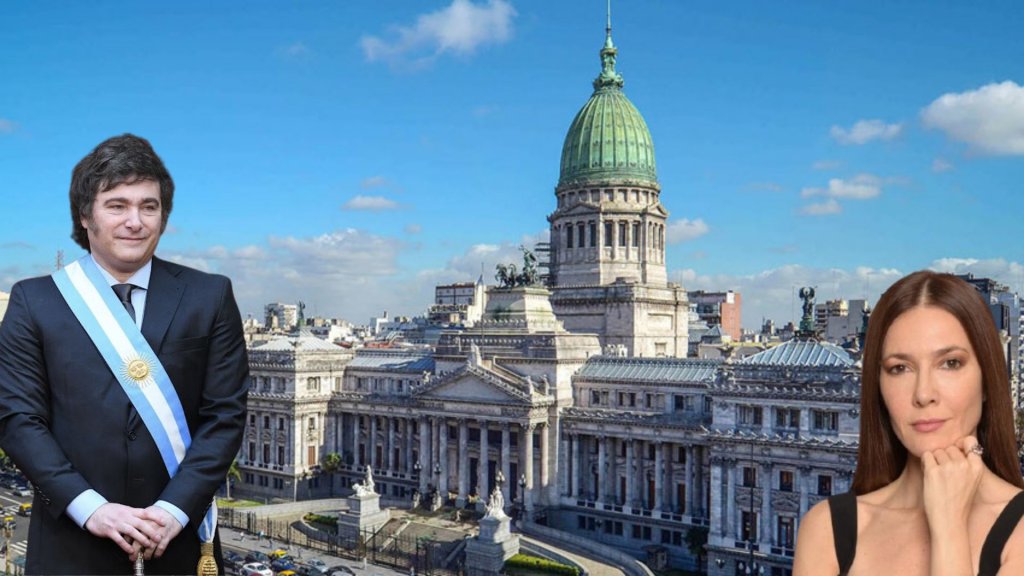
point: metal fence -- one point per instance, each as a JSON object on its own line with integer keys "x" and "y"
{"x": 402, "y": 552}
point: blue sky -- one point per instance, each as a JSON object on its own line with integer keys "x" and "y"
{"x": 354, "y": 154}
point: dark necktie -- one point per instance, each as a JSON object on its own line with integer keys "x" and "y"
{"x": 124, "y": 294}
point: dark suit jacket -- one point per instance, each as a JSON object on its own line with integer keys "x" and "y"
{"x": 66, "y": 422}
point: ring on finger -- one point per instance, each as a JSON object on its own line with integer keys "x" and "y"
{"x": 976, "y": 449}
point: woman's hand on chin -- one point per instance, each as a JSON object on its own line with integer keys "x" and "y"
{"x": 951, "y": 477}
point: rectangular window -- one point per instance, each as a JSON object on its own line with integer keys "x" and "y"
{"x": 580, "y": 230}
{"x": 622, "y": 233}
{"x": 750, "y": 415}
{"x": 749, "y": 526}
{"x": 825, "y": 420}
{"x": 636, "y": 234}
{"x": 266, "y": 453}
{"x": 681, "y": 454}
{"x": 593, "y": 234}
{"x": 749, "y": 477}
{"x": 280, "y": 456}
{"x": 824, "y": 485}
{"x": 608, "y": 234}
{"x": 595, "y": 397}
{"x": 786, "y": 480}
{"x": 252, "y": 420}
{"x": 787, "y": 418}
{"x": 785, "y": 531}
{"x": 568, "y": 235}
{"x": 266, "y": 422}
{"x": 278, "y": 483}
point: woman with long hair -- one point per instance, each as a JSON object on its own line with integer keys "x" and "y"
{"x": 938, "y": 488}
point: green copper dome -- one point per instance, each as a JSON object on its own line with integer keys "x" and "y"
{"x": 608, "y": 139}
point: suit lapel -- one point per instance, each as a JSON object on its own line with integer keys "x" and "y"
{"x": 162, "y": 299}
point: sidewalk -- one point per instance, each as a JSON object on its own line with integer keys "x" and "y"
{"x": 230, "y": 540}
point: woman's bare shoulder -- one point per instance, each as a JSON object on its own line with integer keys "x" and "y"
{"x": 815, "y": 549}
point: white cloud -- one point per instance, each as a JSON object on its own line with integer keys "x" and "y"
{"x": 370, "y": 204}
{"x": 460, "y": 28}
{"x": 860, "y": 187}
{"x": 772, "y": 293}
{"x": 825, "y": 208}
{"x": 683, "y": 230}
{"x": 864, "y": 131}
{"x": 940, "y": 165}
{"x": 7, "y": 126}
{"x": 348, "y": 273}
{"x": 374, "y": 182}
{"x": 412, "y": 229}
{"x": 480, "y": 258}
{"x": 990, "y": 119}
{"x": 295, "y": 50}
{"x": 826, "y": 165}
{"x": 764, "y": 187}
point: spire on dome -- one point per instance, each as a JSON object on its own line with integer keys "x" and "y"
{"x": 608, "y": 77}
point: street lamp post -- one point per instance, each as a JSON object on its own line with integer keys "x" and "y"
{"x": 522, "y": 499}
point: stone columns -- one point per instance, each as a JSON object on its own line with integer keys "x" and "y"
{"x": 717, "y": 527}
{"x": 463, "y": 454}
{"x": 545, "y": 452}
{"x": 442, "y": 457}
{"x": 482, "y": 466}
{"x": 506, "y": 460}
{"x": 574, "y": 467}
{"x": 355, "y": 439}
{"x": 527, "y": 451}
{"x": 766, "y": 503}
{"x": 629, "y": 498}
{"x": 689, "y": 504}
{"x": 424, "y": 455}
{"x": 730, "y": 503}
{"x": 659, "y": 475}
{"x": 805, "y": 488}
{"x": 407, "y": 435}
{"x": 602, "y": 467}
{"x": 371, "y": 443}
{"x": 392, "y": 465}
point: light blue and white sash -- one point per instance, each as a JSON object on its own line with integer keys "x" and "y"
{"x": 133, "y": 363}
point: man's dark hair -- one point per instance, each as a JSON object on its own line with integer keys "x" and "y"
{"x": 124, "y": 159}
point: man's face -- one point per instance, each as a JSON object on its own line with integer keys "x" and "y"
{"x": 124, "y": 227}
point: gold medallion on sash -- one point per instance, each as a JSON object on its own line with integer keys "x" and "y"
{"x": 138, "y": 371}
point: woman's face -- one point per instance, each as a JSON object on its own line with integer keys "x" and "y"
{"x": 930, "y": 380}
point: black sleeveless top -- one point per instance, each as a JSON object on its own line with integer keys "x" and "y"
{"x": 844, "y": 532}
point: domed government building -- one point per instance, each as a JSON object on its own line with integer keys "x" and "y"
{"x": 575, "y": 399}
{"x": 607, "y": 258}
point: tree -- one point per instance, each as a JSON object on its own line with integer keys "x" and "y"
{"x": 233, "y": 473}
{"x": 696, "y": 539}
{"x": 331, "y": 463}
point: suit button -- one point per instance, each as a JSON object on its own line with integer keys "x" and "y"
{"x": 132, "y": 435}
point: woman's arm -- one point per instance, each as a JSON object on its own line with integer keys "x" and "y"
{"x": 815, "y": 547}
{"x": 951, "y": 478}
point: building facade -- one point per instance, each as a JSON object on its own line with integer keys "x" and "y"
{"x": 723, "y": 309}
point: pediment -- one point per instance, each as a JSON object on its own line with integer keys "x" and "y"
{"x": 473, "y": 384}
{"x": 582, "y": 208}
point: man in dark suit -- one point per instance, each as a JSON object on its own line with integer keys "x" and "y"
{"x": 102, "y": 491}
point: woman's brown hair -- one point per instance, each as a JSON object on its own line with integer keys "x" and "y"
{"x": 881, "y": 456}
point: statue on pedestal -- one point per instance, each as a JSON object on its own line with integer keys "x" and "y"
{"x": 367, "y": 487}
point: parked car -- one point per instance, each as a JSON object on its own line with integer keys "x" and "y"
{"x": 256, "y": 569}
{"x": 25, "y": 509}
{"x": 233, "y": 560}
{"x": 340, "y": 570}
{"x": 257, "y": 556}
{"x": 282, "y": 564}
{"x": 317, "y": 563}
{"x": 313, "y": 568}
{"x": 279, "y": 553}
{"x": 23, "y": 491}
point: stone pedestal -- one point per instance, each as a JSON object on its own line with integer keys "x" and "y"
{"x": 486, "y": 554}
{"x": 363, "y": 516}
